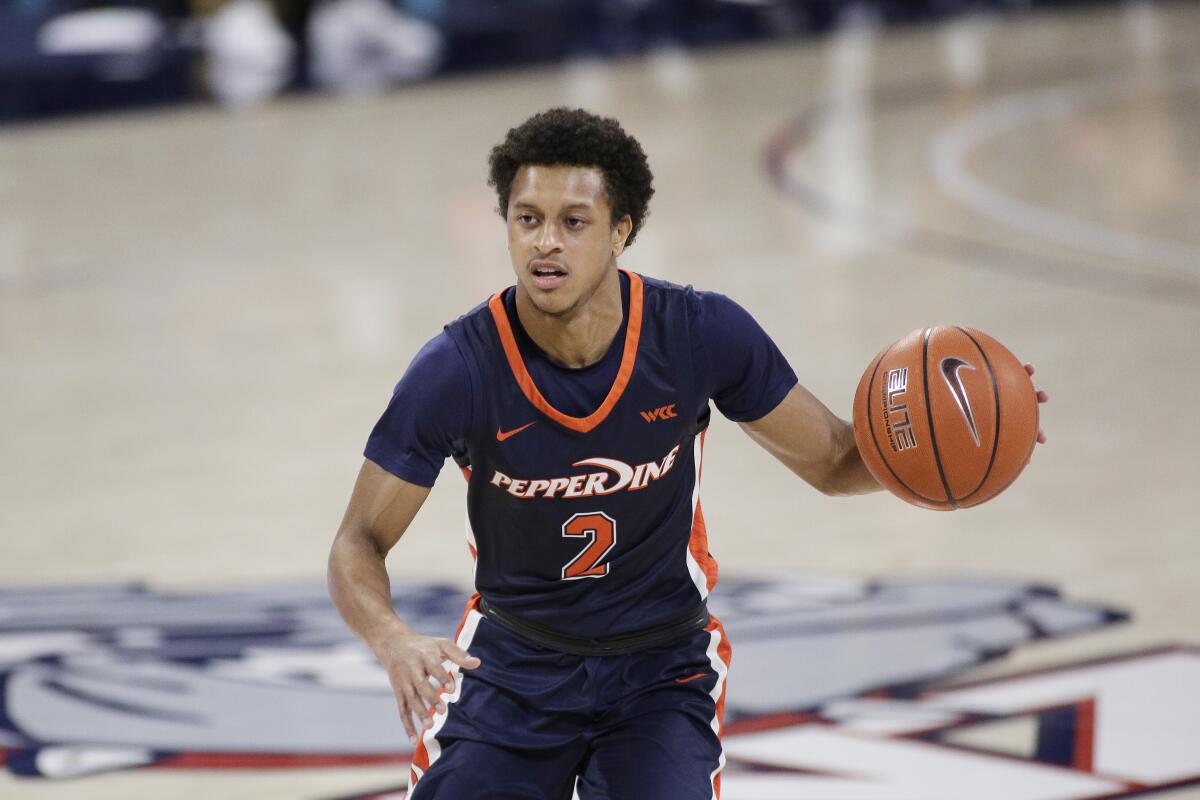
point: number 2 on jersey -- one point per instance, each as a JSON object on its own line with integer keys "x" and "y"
{"x": 602, "y": 531}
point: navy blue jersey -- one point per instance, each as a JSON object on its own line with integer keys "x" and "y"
{"x": 589, "y": 524}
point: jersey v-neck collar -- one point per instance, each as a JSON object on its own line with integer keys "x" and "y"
{"x": 516, "y": 361}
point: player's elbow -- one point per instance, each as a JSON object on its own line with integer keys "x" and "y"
{"x": 834, "y": 488}
{"x": 826, "y": 483}
{"x": 837, "y": 476}
{"x": 351, "y": 546}
{"x": 355, "y": 541}
{"x": 824, "y": 487}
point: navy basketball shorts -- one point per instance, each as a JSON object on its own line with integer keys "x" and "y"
{"x": 536, "y": 724}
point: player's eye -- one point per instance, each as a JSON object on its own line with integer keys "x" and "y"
{"x": 575, "y": 222}
{"x": 526, "y": 219}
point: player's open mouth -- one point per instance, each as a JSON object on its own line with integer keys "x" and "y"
{"x": 547, "y": 275}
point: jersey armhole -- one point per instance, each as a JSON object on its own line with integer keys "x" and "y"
{"x": 474, "y": 390}
{"x": 698, "y": 356}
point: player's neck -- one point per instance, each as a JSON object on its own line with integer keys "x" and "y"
{"x": 581, "y": 336}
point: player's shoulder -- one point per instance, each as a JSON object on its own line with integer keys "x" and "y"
{"x": 469, "y": 329}
{"x": 439, "y": 361}
{"x": 481, "y": 311}
{"x": 666, "y": 296}
{"x": 652, "y": 285}
{"x": 699, "y": 303}
{"x": 445, "y": 356}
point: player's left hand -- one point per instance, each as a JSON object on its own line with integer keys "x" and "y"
{"x": 1041, "y": 398}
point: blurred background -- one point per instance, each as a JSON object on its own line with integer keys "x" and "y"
{"x": 226, "y": 227}
{"x": 62, "y": 57}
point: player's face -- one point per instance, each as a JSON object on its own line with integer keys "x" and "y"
{"x": 561, "y": 237}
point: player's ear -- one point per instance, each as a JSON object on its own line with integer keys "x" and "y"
{"x": 620, "y": 233}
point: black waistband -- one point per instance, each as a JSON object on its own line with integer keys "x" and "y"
{"x": 631, "y": 642}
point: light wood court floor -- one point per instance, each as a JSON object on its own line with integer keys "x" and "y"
{"x": 203, "y": 313}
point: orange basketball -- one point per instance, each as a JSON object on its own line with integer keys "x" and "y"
{"x": 946, "y": 417}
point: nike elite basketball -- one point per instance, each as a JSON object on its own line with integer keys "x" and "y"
{"x": 946, "y": 417}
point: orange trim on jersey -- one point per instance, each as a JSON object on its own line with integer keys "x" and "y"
{"x": 420, "y": 756}
{"x": 633, "y": 334}
{"x": 698, "y": 542}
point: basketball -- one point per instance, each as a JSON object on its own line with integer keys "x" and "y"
{"x": 946, "y": 417}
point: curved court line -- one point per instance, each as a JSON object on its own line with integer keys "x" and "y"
{"x": 961, "y": 249}
{"x": 950, "y": 148}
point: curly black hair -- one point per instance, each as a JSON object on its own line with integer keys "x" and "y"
{"x": 574, "y": 137}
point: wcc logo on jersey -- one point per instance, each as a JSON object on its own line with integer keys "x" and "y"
{"x": 662, "y": 412}
{"x": 840, "y": 688}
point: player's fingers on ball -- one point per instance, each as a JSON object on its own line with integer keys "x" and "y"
{"x": 1029, "y": 368}
{"x": 1041, "y": 437}
{"x": 1042, "y": 396}
{"x": 458, "y": 655}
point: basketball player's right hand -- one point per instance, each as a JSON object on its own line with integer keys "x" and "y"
{"x": 415, "y": 666}
{"x": 1042, "y": 397}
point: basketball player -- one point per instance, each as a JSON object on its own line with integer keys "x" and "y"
{"x": 575, "y": 403}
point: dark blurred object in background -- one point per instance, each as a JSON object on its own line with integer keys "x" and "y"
{"x": 62, "y": 56}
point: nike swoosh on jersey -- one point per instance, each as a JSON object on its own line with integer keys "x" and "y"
{"x": 502, "y": 435}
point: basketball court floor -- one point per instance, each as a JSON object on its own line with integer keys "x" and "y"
{"x": 203, "y": 313}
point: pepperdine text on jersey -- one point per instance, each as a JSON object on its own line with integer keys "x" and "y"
{"x": 589, "y": 484}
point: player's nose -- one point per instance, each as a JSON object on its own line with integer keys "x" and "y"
{"x": 549, "y": 239}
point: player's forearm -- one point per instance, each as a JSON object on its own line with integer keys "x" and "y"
{"x": 381, "y": 508}
{"x": 361, "y": 589}
{"x": 848, "y": 474}
{"x": 814, "y": 443}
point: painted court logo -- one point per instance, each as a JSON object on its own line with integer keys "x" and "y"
{"x": 1111, "y": 728}
{"x": 839, "y": 689}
